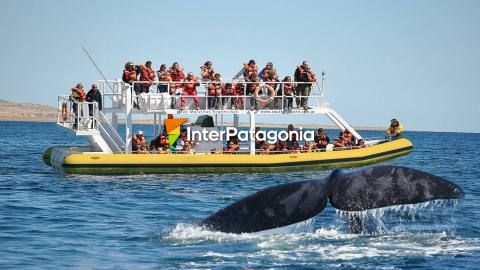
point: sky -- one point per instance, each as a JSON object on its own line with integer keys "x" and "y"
{"x": 417, "y": 61}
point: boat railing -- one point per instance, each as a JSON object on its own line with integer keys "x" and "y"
{"x": 269, "y": 98}
{"x": 77, "y": 115}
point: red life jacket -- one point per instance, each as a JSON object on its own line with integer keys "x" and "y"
{"x": 228, "y": 90}
{"x": 129, "y": 76}
{"x": 177, "y": 75}
{"x": 191, "y": 85}
{"x": 250, "y": 71}
{"x": 147, "y": 75}
{"x": 287, "y": 89}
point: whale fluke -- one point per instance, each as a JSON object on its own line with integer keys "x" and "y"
{"x": 273, "y": 207}
{"x": 381, "y": 186}
{"x": 368, "y": 188}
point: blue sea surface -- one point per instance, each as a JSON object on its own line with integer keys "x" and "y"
{"x": 54, "y": 221}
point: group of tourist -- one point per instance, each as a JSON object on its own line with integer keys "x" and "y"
{"x": 219, "y": 94}
{"x": 321, "y": 142}
{"x": 78, "y": 95}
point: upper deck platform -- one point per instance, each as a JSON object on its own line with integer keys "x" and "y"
{"x": 118, "y": 95}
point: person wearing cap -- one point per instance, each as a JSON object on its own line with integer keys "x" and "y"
{"x": 139, "y": 145}
{"x": 268, "y": 69}
{"x": 77, "y": 95}
{"x": 129, "y": 74}
{"x": 304, "y": 78}
{"x": 251, "y": 71}
{"x": 395, "y": 130}
{"x": 94, "y": 96}
{"x": 147, "y": 76}
{"x": 207, "y": 72}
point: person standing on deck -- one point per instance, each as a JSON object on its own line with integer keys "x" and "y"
{"x": 177, "y": 74}
{"x": 147, "y": 75}
{"x": 77, "y": 95}
{"x": 304, "y": 78}
{"x": 207, "y": 72}
{"x": 94, "y": 96}
{"x": 164, "y": 79}
{"x": 190, "y": 89}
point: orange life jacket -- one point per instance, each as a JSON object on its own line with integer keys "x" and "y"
{"x": 147, "y": 75}
{"x": 228, "y": 90}
{"x": 287, "y": 89}
{"x": 250, "y": 71}
{"x": 129, "y": 76}
{"x": 177, "y": 75}
{"x": 207, "y": 73}
{"x": 191, "y": 85}
{"x": 215, "y": 89}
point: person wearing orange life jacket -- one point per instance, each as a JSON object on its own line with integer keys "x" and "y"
{"x": 228, "y": 91}
{"x": 139, "y": 145}
{"x": 251, "y": 71}
{"x": 304, "y": 78}
{"x": 163, "y": 76}
{"x": 77, "y": 95}
{"x": 270, "y": 78}
{"x": 129, "y": 74}
{"x": 207, "y": 72}
{"x": 147, "y": 76}
{"x": 238, "y": 93}
{"x": 214, "y": 92}
{"x": 267, "y": 68}
{"x": 177, "y": 74}
{"x": 189, "y": 86}
{"x": 288, "y": 91}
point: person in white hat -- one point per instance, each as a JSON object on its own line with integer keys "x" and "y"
{"x": 139, "y": 145}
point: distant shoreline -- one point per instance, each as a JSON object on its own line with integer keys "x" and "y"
{"x": 30, "y": 112}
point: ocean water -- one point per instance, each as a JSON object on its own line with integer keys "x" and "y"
{"x": 54, "y": 221}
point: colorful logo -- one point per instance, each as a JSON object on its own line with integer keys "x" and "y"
{"x": 173, "y": 128}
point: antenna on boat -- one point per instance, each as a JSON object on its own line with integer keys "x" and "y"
{"x": 95, "y": 64}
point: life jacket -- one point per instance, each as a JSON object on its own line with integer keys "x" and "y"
{"x": 207, "y": 73}
{"x": 250, "y": 71}
{"x": 228, "y": 90}
{"x": 288, "y": 88}
{"x": 147, "y": 75}
{"x": 271, "y": 82}
{"x": 238, "y": 89}
{"x": 190, "y": 86}
{"x": 78, "y": 95}
{"x": 164, "y": 76}
{"x": 129, "y": 76}
{"x": 264, "y": 71}
{"x": 177, "y": 75}
{"x": 215, "y": 89}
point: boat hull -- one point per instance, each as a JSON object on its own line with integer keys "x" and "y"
{"x": 100, "y": 163}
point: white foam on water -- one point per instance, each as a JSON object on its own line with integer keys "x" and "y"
{"x": 304, "y": 245}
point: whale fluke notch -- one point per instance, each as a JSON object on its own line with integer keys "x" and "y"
{"x": 368, "y": 188}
